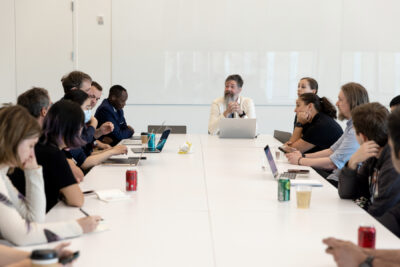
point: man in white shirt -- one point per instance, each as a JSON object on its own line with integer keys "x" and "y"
{"x": 231, "y": 105}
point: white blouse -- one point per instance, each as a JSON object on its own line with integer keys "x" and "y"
{"x": 22, "y": 218}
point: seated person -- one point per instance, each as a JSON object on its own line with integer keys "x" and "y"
{"x": 84, "y": 157}
{"x": 231, "y": 105}
{"x": 333, "y": 159}
{"x": 95, "y": 95}
{"x": 111, "y": 109}
{"x": 394, "y": 103}
{"x": 12, "y": 257}
{"x": 61, "y": 129}
{"x": 77, "y": 80}
{"x": 369, "y": 176}
{"x": 317, "y": 118}
{"x": 305, "y": 85}
{"x": 21, "y": 220}
{"x": 345, "y": 252}
{"x": 37, "y": 102}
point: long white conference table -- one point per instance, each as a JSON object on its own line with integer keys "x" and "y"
{"x": 214, "y": 207}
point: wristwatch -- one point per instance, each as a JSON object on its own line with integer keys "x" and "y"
{"x": 367, "y": 262}
{"x": 298, "y": 124}
{"x": 242, "y": 115}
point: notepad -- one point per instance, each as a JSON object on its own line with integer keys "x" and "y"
{"x": 103, "y": 226}
{"x": 111, "y": 195}
{"x": 309, "y": 182}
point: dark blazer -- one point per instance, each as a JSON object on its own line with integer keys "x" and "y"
{"x": 106, "y": 112}
{"x": 382, "y": 189}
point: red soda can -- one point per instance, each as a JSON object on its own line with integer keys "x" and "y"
{"x": 131, "y": 180}
{"x": 366, "y": 236}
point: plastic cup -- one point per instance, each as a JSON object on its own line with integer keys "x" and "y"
{"x": 277, "y": 155}
{"x": 303, "y": 194}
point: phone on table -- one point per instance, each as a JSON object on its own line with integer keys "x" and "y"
{"x": 69, "y": 258}
{"x": 301, "y": 171}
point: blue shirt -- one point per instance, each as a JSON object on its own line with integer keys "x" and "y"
{"x": 343, "y": 149}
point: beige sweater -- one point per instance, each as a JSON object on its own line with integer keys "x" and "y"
{"x": 22, "y": 218}
{"x": 218, "y": 108}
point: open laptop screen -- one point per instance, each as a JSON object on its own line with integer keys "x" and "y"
{"x": 271, "y": 161}
{"x": 163, "y": 139}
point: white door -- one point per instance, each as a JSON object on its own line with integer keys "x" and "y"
{"x": 7, "y": 52}
{"x": 44, "y": 44}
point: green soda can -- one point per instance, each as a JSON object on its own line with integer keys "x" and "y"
{"x": 283, "y": 189}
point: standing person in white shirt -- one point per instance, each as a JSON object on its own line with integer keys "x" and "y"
{"x": 231, "y": 105}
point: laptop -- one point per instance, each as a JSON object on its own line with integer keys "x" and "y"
{"x": 273, "y": 167}
{"x": 135, "y": 137}
{"x": 282, "y": 136}
{"x": 237, "y": 128}
{"x": 131, "y": 161}
{"x": 131, "y": 142}
{"x": 159, "y": 147}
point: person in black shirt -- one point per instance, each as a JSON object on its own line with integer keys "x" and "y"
{"x": 317, "y": 118}
{"x": 305, "y": 85}
{"x": 61, "y": 129}
{"x": 37, "y": 102}
{"x": 84, "y": 156}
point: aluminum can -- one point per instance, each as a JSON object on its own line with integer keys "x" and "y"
{"x": 366, "y": 236}
{"x": 131, "y": 180}
{"x": 284, "y": 189}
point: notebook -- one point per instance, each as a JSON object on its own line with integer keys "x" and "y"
{"x": 111, "y": 195}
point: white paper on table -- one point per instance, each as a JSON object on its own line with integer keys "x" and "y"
{"x": 111, "y": 195}
{"x": 103, "y": 226}
{"x": 309, "y": 182}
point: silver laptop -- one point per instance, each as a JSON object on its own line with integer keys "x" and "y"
{"x": 136, "y": 137}
{"x": 237, "y": 128}
{"x": 131, "y": 161}
{"x": 131, "y": 142}
{"x": 274, "y": 169}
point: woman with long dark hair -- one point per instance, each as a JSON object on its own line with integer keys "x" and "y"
{"x": 317, "y": 117}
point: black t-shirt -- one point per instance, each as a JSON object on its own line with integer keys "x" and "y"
{"x": 322, "y": 132}
{"x": 56, "y": 172}
{"x": 77, "y": 154}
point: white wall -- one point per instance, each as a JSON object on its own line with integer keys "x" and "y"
{"x": 357, "y": 40}
{"x": 93, "y": 41}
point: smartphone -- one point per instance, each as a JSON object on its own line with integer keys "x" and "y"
{"x": 301, "y": 171}
{"x": 286, "y": 149}
{"x": 68, "y": 258}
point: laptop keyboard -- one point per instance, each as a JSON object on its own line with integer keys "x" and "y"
{"x": 290, "y": 175}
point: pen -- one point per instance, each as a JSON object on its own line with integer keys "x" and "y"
{"x": 84, "y": 212}
{"x": 87, "y": 214}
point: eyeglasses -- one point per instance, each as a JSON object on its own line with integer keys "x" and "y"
{"x": 94, "y": 97}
